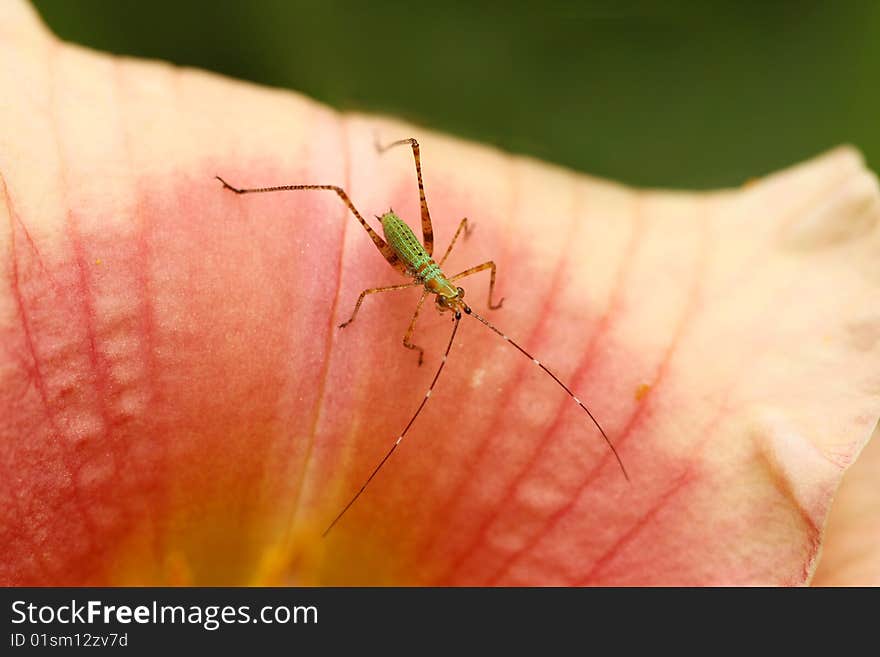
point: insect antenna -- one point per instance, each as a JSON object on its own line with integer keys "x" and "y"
{"x": 525, "y": 353}
{"x": 427, "y": 396}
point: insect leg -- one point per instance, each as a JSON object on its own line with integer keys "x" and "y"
{"x": 427, "y": 228}
{"x": 479, "y": 268}
{"x": 374, "y": 290}
{"x": 407, "y": 339}
{"x": 386, "y": 251}
{"x": 463, "y": 226}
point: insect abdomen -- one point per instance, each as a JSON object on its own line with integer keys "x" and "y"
{"x": 404, "y": 242}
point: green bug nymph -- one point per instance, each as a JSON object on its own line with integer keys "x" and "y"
{"x": 403, "y": 251}
{"x": 419, "y": 264}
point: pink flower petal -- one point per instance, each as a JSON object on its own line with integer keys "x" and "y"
{"x": 179, "y": 406}
{"x": 850, "y": 554}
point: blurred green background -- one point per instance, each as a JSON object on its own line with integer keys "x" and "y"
{"x": 668, "y": 94}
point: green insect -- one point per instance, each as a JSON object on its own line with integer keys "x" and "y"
{"x": 412, "y": 258}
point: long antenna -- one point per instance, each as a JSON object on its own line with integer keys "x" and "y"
{"x": 405, "y": 430}
{"x": 525, "y": 353}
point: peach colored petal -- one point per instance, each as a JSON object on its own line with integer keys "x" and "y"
{"x": 177, "y": 405}
{"x": 851, "y": 550}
